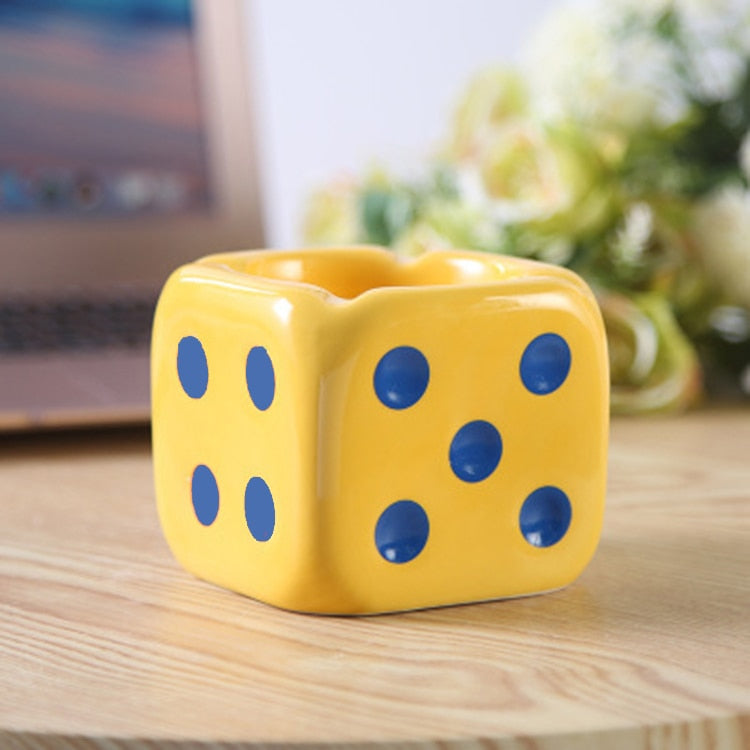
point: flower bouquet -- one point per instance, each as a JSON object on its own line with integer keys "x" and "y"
{"x": 622, "y": 151}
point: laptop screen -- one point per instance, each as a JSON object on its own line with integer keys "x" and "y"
{"x": 101, "y": 110}
{"x": 126, "y": 149}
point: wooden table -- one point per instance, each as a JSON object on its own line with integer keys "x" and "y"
{"x": 104, "y": 640}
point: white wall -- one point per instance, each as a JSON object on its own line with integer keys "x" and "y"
{"x": 341, "y": 84}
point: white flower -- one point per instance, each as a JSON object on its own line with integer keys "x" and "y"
{"x": 634, "y": 234}
{"x": 492, "y": 97}
{"x": 517, "y": 176}
{"x": 608, "y": 63}
{"x": 716, "y": 40}
{"x": 579, "y": 67}
{"x": 721, "y": 229}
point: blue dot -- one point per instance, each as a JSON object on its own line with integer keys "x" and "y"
{"x": 192, "y": 366}
{"x": 545, "y": 364}
{"x": 475, "y": 451}
{"x": 401, "y": 377}
{"x": 260, "y": 513}
{"x": 401, "y": 532}
{"x": 259, "y": 375}
{"x": 205, "y": 494}
{"x": 545, "y": 516}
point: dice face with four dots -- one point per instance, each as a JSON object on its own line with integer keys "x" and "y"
{"x": 338, "y": 431}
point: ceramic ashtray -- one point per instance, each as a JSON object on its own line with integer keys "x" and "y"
{"x": 343, "y": 431}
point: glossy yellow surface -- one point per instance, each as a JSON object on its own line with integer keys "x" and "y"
{"x": 335, "y": 457}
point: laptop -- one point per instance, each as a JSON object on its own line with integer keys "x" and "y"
{"x": 126, "y": 149}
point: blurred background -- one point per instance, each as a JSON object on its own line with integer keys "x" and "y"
{"x": 609, "y": 136}
{"x": 345, "y": 85}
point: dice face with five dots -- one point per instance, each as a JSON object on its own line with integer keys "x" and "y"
{"x": 341, "y": 431}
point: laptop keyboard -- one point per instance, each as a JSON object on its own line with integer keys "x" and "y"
{"x": 75, "y": 324}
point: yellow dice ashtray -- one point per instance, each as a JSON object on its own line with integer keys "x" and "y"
{"x": 343, "y": 431}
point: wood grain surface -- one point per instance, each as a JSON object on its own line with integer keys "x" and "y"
{"x": 106, "y": 642}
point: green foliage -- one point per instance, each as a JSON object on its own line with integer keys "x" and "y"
{"x": 625, "y": 158}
